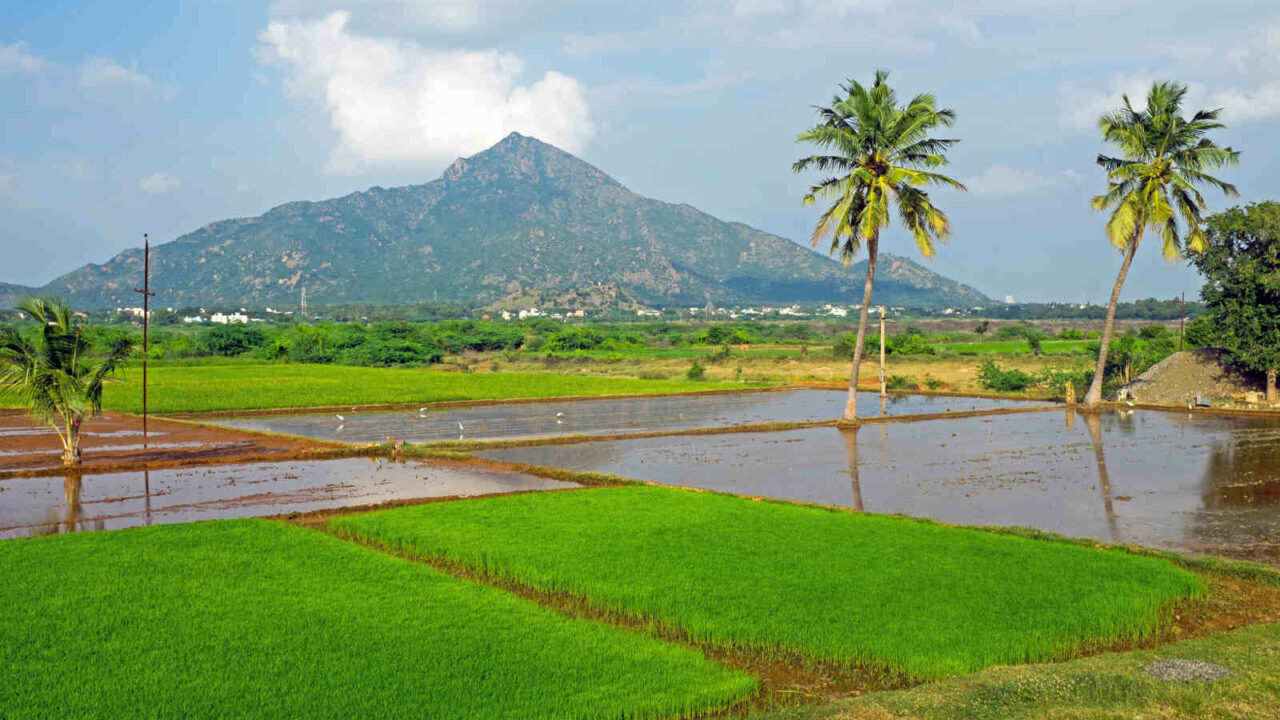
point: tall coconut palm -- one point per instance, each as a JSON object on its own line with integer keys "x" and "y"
{"x": 880, "y": 157}
{"x": 54, "y": 374}
{"x": 1163, "y": 159}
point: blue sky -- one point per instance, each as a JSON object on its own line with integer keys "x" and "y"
{"x": 123, "y": 118}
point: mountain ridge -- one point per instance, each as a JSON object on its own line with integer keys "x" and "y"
{"x": 518, "y": 217}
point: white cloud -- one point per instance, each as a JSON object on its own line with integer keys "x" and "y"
{"x": 447, "y": 15}
{"x": 836, "y": 8}
{"x": 962, "y": 26}
{"x": 1082, "y": 108}
{"x": 159, "y": 182}
{"x": 1244, "y": 105}
{"x": 15, "y": 58}
{"x": 1002, "y": 181}
{"x": 103, "y": 72}
{"x": 399, "y": 103}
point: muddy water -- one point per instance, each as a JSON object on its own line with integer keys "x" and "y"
{"x": 42, "y": 506}
{"x": 601, "y": 417}
{"x": 1198, "y": 484}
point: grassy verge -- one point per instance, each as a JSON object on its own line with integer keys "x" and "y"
{"x": 1104, "y": 687}
{"x": 250, "y": 618}
{"x": 189, "y": 389}
{"x": 919, "y": 599}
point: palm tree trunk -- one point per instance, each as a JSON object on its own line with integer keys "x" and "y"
{"x": 71, "y": 446}
{"x": 851, "y": 404}
{"x": 1271, "y": 385}
{"x": 1094, "y": 397}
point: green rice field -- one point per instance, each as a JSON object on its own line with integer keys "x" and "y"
{"x": 252, "y": 618}
{"x": 209, "y": 388}
{"x": 917, "y": 598}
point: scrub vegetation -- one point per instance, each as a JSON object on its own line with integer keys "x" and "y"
{"x": 914, "y": 598}
{"x": 252, "y": 618}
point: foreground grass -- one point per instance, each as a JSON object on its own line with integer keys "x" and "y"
{"x": 1104, "y": 687}
{"x": 920, "y": 599}
{"x": 183, "y": 389}
{"x": 250, "y": 618}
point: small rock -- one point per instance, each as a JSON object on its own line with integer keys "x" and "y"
{"x": 1186, "y": 671}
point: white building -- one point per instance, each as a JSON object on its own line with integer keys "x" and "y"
{"x": 228, "y": 319}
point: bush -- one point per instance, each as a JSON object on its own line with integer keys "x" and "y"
{"x": 696, "y": 371}
{"x": 997, "y": 379}
{"x": 1200, "y": 333}
{"x": 230, "y": 340}
{"x": 909, "y": 345}
{"x": 900, "y": 382}
{"x": 1070, "y": 334}
{"x": 571, "y": 339}
{"x": 720, "y": 355}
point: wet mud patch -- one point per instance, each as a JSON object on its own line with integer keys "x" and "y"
{"x": 106, "y": 501}
{"x": 114, "y": 440}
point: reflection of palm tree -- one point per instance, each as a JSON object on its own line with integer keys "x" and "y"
{"x": 850, "y": 435}
{"x": 71, "y": 485}
{"x": 1071, "y": 417}
{"x": 1093, "y": 421}
{"x": 146, "y": 488}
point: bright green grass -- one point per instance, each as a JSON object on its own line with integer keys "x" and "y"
{"x": 249, "y": 387}
{"x": 250, "y": 618}
{"x": 923, "y": 599}
{"x": 1011, "y": 347}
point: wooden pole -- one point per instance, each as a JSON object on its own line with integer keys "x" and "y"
{"x": 1182, "y": 319}
{"x": 146, "y": 320}
{"x": 883, "y": 388}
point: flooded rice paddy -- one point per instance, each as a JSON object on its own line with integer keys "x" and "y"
{"x": 49, "y": 505}
{"x": 1200, "y": 483}
{"x": 601, "y": 417}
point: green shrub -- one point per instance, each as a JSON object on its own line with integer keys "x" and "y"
{"x": 230, "y": 340}
{"x": 696, "y": 371}
{"x": 900, "y": 382}
{"x": 995, "y": 378}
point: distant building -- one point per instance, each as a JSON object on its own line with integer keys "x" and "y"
{"x": 1008, "y": 299}
{"x": 228, "y": 318}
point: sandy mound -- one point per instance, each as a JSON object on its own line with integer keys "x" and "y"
{"x": 1198, "y": 372}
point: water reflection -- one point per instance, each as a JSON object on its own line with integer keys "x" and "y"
{"x": 1093, "y": 423}
{"x": 47, "y": 506}
{"x": 603, "y": 417}
{"x": 850, "y": 435}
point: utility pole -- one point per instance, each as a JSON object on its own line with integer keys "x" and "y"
{"x": 883, "y": 388}
{"x": 1182, "y": 319}
{"x": 146, "y": 320}
{"x": 304, "y": 303}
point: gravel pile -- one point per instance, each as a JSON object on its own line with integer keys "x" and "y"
{"x": 1197, "y": 372}
{"x": 1186, "y": 671}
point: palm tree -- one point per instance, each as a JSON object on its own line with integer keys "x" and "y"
{"x": 54, "y": 374}
{"x": 1164, "y": 157}
{"x": 879, "y": 155}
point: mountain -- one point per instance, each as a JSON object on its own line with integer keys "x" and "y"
{"x": 520, "y": 218}
{"x": 11, "y": 294}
